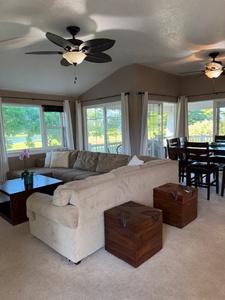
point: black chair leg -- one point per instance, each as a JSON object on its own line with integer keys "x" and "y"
{"x": 223, "y": 182}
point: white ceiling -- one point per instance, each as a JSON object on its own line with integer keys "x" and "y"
{"x": 174, "y": 36}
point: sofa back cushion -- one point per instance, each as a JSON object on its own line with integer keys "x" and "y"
{"x": 86, "y": 160}
{"x": 62, "y": 193}
{"x": 72, "y": 158}
{"x": 40, "y": 162}
{"x": 108, "y": 162}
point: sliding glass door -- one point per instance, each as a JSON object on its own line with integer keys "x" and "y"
{"x": 103, "y": 129}
{"x": 161, "y": 125}
{"x": 220, "y": 117}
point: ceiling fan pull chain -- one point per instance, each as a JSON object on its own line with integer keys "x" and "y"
{"x": 75, "y": 77}
{"x": 214, "y": 85}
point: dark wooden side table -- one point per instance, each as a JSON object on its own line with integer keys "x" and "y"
{"x": 179, "y": 203}
{"x": 133, "y": 232}
{"x": 14, "y": 194}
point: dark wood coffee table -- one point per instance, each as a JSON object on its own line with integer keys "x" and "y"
{"x": 14, "y": 194}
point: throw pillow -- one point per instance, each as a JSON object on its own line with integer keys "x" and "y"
{"x": 48, "y": 159}
{"x": 59, "y": 159}
{"x": 135, "y": 161}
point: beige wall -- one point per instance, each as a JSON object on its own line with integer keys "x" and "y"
{"x": 134, "y": 79}
{"x": 200, "y": 87}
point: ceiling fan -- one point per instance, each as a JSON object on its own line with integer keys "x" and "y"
{"x": 214, "y": 68}
{"x": 76, "y": 50}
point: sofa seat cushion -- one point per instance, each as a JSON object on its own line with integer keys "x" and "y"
{"x": 68, "y": 175}
{"x": 39, "y": 203}
{"x": 108, "y": 162}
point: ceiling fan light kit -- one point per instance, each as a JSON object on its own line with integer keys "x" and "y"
{"x": 213, "y": 73}
{"x": 74, "y": 57}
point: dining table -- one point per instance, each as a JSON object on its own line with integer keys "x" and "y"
{"x": 216, "y": 148}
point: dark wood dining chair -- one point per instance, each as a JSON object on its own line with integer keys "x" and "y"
{"x": 220, "y": 138}
{"x": 182, "y": 140}
{"x": 174, "y": 143}
{"x": 205, "y": 173}
{"x": 221, "y": 160}
{"x": 218, "y": 157}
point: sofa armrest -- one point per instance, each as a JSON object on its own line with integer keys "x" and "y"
{"x": 93, "y": 201}
{"x": 39, "y": 203}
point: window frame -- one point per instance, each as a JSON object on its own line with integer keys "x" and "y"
{"x": 161, "y": 146}
{"x": 104, "y": 106}
{"x": 45, "y": 148}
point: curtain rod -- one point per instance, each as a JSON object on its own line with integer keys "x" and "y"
{"x": 26, "y": 98}
{"x": 206, "y": 94}
{"x": 162, "y": 95}
{"x": 104, "y": 97}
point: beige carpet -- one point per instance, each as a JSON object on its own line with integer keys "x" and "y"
{"x": 191, "y": 265}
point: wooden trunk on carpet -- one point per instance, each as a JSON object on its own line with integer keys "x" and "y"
{"x": 133, "y": 232}
{"x": 178, "y": 203}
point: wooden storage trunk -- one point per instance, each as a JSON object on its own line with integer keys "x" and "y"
{"x": 178, "y": 203}
{"x": 133, "y": 232}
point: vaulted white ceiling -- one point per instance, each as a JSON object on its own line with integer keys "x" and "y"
{"x": 174, "y": 36}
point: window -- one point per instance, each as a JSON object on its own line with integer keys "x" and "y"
{"x": 30, "y": 127}
{"x": 103, "y": 127}
{"x": 220, "y": 117}
{"x": 200, "y": 121}
{"x": 53, "y": 129}
{"x": 161, "y": 126}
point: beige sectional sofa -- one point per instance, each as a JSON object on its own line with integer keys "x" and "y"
{"x": 76, "y": 165}
{"x": 72, "y": 220}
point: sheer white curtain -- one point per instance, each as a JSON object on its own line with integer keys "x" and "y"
{"x": 4, "y": 166}
{"x": 68, "y": 125}
{"x": 182, "y": 117}
{"x": 126, "y": 148}
{"x": 144, "y": 129}
{"x": 79, "y": 127}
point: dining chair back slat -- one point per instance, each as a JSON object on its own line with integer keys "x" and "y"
{"x": 205, "y": 173}
{"x": 220, "y": 138}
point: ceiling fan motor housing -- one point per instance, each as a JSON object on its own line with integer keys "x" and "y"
{"x": 213, "y": 65}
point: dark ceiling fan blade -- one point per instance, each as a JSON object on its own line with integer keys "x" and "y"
{"x": 44, "y": 52}
{"x": 65, "y": 63}
{"x": 191, "y": 72}
{"x": 98, "y": 57}
{"x": 96, "y": 45}
{"x": 59, "y": 41}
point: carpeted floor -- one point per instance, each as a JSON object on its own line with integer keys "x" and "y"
{"x": 191, "y": 265}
